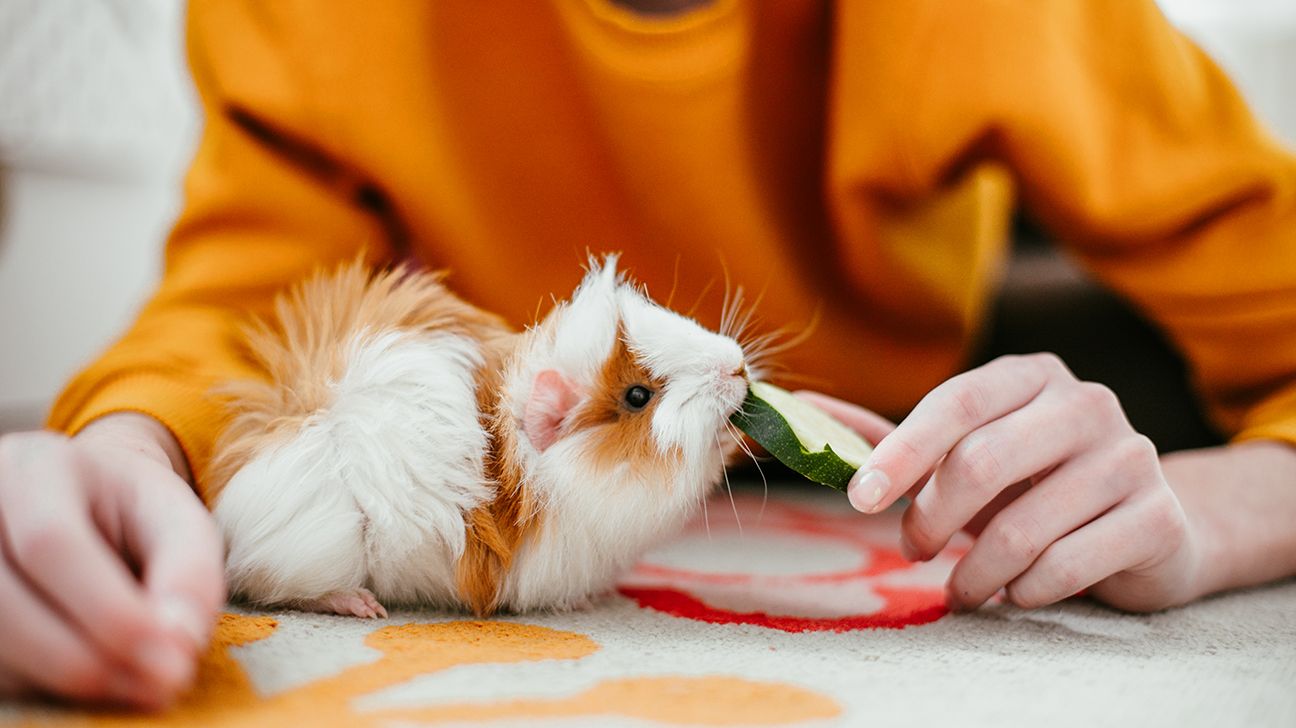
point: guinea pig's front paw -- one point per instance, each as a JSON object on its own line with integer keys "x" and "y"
{"x": 360, "y": 603}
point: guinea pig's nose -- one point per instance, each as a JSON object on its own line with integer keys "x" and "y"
{"x": 740, "y": 372}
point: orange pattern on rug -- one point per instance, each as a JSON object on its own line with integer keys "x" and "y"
{"x": 224, "y": 696}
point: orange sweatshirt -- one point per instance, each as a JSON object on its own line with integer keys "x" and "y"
{"x": 860, "y": 159}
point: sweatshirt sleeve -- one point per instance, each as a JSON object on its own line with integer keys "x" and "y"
{"x": 1137, "y": 152}
{"x": 264, "y": 206}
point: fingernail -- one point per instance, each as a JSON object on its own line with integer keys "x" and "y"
{"x": 164, "y": 662}
{"x": 177, "y": 615}
{"x": 866, "y": 489}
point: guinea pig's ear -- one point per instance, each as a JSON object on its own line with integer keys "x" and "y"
{"x": 552, "y": 397}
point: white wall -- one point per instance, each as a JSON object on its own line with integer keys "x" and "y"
{"x": 78, "y": 257}
{"x": 97, "y": 123}
{"x": 96, "y": 126}
{"x": 1255, "y": 41}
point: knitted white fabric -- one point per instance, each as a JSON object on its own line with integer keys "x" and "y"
{"x": 94, "y": 88}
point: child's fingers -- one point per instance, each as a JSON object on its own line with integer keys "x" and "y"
{"x": 1119, "y": 540}
{"x": 43, "y": 652}
{"x": 1011, "y": 449}
{"x": 945, "y": 416}
{"x": 1071, "y": 496}
{"x": 46, "y": 498}
{"x": 180, "y": 551}
{"x": 11, "y": 688}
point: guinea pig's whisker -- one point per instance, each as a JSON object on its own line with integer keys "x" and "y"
{"x": 724, "y": 309}
{"x": 729, "y": 310}
{"x": 728, "y": 487}
{"x": 733, "y": 432}
{"x": 733, "y": 305}
{"x": 670, "y": 298}
{"x": 757, "y": 342}
{"x": 762, "y": 352}
{"x": 726, "y": 304}
{"x": 769, "y": 342}
{"x": 706, "y": 519}
{"x": 743, "y": 320}
{"x": 761, "y": 341}
{"x": 740, "y": 318}
{"x": 747, "y": 320}
{"x": 701, "y": 295}
{"x": 807, "y": 380}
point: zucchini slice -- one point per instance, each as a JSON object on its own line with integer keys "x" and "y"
{"x": 802, "y": 436}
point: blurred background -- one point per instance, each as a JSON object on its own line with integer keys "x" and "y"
{"x": 97, "y": 123}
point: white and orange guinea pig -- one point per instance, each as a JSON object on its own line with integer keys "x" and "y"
{"x": 408, "y": 448}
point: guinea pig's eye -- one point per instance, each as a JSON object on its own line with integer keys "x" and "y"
{"x": 636, "y": 397}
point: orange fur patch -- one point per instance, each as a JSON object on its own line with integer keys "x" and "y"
{"x": 495, "y": 529}
{"x": 304, "y": 349}
{"x": 620, "y": 434}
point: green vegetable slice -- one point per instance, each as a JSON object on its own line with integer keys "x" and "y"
{"x": 802, "y": 436}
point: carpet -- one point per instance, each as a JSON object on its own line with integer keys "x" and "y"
{"x": 791, "y": 610}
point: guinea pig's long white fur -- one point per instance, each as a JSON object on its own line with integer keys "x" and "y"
{"x": 406, "y": 447}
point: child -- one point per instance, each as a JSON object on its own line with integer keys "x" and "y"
{"x": 857, "y": 157}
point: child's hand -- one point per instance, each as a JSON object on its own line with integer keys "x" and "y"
{"x": 111, "y": 572}
{"x": 1060, "y": 490}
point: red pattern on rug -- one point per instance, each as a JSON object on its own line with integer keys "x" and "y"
{"x": 878, "y": 589}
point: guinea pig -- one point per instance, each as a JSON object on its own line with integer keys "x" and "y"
{"x": 406, "y": 447}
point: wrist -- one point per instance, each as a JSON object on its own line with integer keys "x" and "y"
{"x": 1194, "y": 478}
{"x": 143, "y": 433}
{"x": 1239, "y": 501}
{"x": 1204, "y": 552}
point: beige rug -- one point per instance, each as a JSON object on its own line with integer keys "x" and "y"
{"x": 797, "y": 612}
